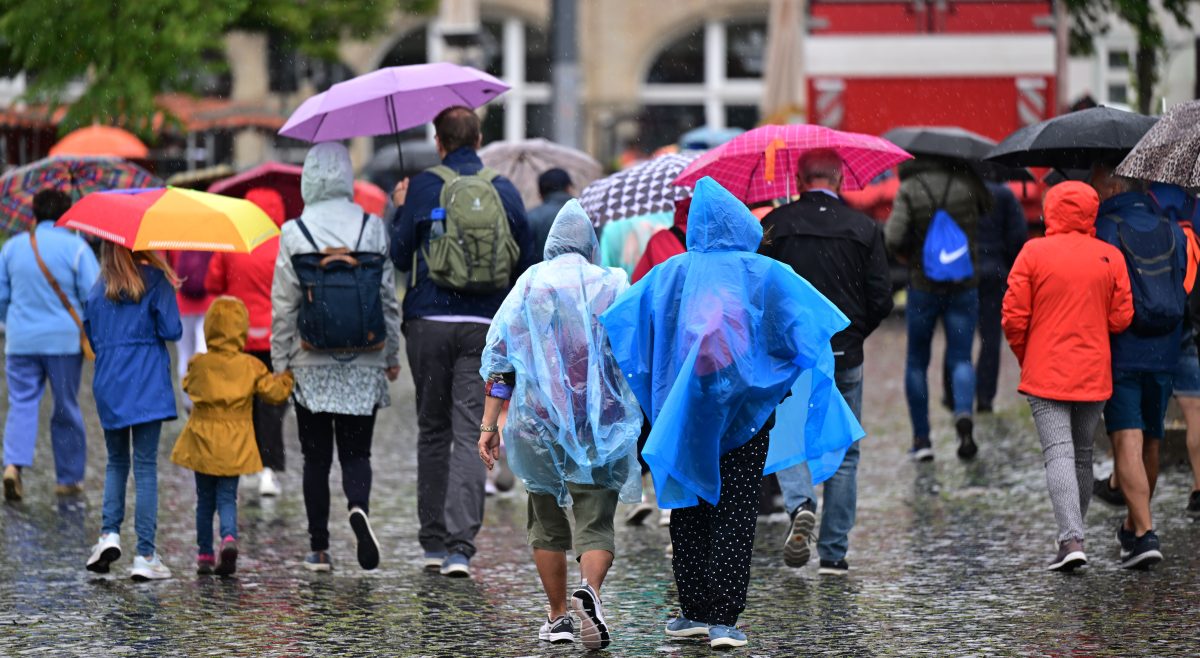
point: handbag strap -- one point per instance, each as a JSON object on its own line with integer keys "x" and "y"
{"x": 62, "y": 296}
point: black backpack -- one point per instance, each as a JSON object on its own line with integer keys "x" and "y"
{"x": 1159, "y": 299}
{"x": 341, "y": 309}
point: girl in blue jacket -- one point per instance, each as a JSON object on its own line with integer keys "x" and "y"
{"x": 130, "y": 315}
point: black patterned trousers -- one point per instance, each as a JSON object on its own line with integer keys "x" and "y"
{"x": 712, "y": 544}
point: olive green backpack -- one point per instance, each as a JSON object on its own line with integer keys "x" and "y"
{"x": 476, "y": 252}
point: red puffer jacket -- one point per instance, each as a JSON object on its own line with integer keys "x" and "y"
{"x": 249, "y": 276}
{"x": 1067, "y": 293}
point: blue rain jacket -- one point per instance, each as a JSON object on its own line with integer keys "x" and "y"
{"x": 133, "y": 382}
{"x": 572, "y": 417}
{"x": 711, "y": 340}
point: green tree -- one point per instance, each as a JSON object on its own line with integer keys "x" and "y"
{"x": 1090, "y": 18}
{"x": 130, "y": 51}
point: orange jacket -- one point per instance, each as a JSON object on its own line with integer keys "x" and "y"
{"x": 1067, "y": 293}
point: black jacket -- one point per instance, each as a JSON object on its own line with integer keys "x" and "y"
{"x": 840, "y": 252}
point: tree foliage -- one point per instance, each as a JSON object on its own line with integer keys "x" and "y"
{"x": 1090, "y": 19}
{"x": 129, "y": 51}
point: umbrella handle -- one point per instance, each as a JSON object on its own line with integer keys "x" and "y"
{"x": 391, "y": 115}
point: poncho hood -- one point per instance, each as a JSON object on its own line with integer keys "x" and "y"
{"x": 718, "y": 221}
{"x": 226, "y": 325}
{"x": 328, "y": 174}
{"x": 572, "y": 233}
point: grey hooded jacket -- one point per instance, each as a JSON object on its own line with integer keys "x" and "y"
{"x": 327, "y": 186}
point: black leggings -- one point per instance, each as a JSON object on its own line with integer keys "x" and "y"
{"x": 712, "y": 545}
{"x": 268, "y": 425}
{"x": 318, "y": 433}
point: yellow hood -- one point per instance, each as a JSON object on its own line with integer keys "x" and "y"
{"x": 226, "y": 325}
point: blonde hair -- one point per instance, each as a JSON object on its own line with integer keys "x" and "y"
{"x": 122, "y": 279}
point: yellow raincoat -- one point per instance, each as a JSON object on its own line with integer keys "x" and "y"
{"x": 219, "y": 436}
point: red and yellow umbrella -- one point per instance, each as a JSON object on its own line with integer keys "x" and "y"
{"x": 171, "y": 219}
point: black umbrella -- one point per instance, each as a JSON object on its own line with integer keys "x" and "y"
{"x": 1075, "y": 140}
{"x": 956, "y": 143}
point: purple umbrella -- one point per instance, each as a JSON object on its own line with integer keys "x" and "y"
{"x": 390, "y": 100}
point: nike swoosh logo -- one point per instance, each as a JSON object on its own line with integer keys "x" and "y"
{"x": 947, "y": 258}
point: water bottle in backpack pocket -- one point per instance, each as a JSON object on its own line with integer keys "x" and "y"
{"x": 1155, "y": 278}
{"x": 946, "y": 256}
{"x": 341, "y": 309}
{"x": 475, "y": 251}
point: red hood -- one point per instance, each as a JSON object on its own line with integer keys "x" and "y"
{"x": 1070, "y": 207}
{"x": 682, "y": 207}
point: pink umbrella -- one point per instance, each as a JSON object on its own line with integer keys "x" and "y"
{"x": 285, "y": 179}
{"x": 760, "y": 165}
{"x": 390, "y": 100}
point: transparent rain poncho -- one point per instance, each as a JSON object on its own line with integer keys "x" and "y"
{"x": 572, "y": 417}
{"x": 712, "y": 340}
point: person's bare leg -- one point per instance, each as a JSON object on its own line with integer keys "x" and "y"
{"x": 552, "y": 569}
{"x": 594, "y": 566}
{"x": 1150, "y": 459}
{"x": 1127, "y": 451}
{"x": 1191, "y": 414}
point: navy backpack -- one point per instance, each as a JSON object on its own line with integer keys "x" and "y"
{"x": 341, "y": 309}
{"x": 1159, "y": 300}
{"x": 947, "y": 252}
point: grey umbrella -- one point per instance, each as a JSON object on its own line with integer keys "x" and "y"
{"x": 957, "y": 143}
{"x": 1170, "y": 152}
{"x": 522, "y": 162}
{"x": 1073, "y": 141}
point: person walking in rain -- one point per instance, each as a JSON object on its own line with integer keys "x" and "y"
{"x": 573, "y": 423}
{"x": 710, "y": 342}
{"x": 1067, "y": 293}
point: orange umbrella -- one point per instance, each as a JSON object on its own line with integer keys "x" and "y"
{"x": 101, "y": 140}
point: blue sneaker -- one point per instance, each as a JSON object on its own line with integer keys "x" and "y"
{"x": 456, "y": 565}
{"x": 432, "y": 560}
{"x": 683, "y": 627}
{"x": 725, "y": 637}
{"x": 318, "y": 561}
{"x": 1126, "y": 538}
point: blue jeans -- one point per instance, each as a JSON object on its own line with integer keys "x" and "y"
{"x": 27, "y": 376}
{"x": 960, "y": 315}
{"x": 215, "y": 493}
{"x": 144, "y": 439}
{"x": 841, "y": 490}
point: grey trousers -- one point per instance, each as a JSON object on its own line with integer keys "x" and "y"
{"x": 1067, "y": 430}
{"x": 443, "y": 358}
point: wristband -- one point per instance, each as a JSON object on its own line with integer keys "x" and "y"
{"x": 489, "y": 428}
{"x": 498, "y": 389}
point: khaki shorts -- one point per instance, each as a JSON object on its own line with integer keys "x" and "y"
{"x": 594, "y": 508}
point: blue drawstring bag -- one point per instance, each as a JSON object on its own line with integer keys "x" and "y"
{"x": 947, "y": 252}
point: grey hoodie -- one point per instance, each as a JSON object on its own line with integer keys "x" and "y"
{"x": 327, "y": 186}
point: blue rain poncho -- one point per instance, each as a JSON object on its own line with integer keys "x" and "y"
{"x": 711, "y": 340}
{"x": 572, "y": 416}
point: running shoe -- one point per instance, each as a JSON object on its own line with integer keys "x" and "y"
{"x": 593, "y": 631}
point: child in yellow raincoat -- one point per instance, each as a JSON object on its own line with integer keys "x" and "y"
{"x": 218, "y": 441}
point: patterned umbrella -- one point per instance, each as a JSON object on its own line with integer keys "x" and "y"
{"x": 522, "y": 162}
{"x": 639, "y": 190}
{"x": 1170, "y": 151}
{"x": 75, "y": 175}
{"x": 760, "y": 165}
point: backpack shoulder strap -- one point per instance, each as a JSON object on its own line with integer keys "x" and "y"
{"x": 443, "y": 172}
{"x": 307, "y": 236}
{"x": 928, "y": 192}
{"x": 362, "y": 229}
{"x": 488, "y": 174}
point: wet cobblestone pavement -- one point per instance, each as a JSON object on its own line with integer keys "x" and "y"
{"x": 947, "y": 560}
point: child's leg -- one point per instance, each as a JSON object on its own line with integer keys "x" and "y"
{"x": 116, "y": 475}
{"x": 206, "y": 496}
{"x": 145, "y": 481}
{"x": 550, "y": 536}
{"x": 226, "y": 499}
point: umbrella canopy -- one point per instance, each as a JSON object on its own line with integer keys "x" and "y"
{"x": 958, "y": 143}
{"x": 103, "y": 141}
{"x": 760, "y": 165}
{"x": 642, "y": 189}
{"x": 1075, "y": 140}
{"x": 522, "y": 162}
{"x": 704, "y": 138}
{"x": 170, "y": 218}
{"x": 75, "y": 175}
{"x": 285, "y": 179}
{"x": 389, "y": 100}
{"x": 1170, "y": 151}
{"x": 199, "y": 179}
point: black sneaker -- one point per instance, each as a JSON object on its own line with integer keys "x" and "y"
{"x": 965, "y": 428}
{"x": 1144, "y": 554}
{"x": 922, "y": 449}
{"x": 984, "y": 408}
{"x": 368, "y": 547}
{"x": 1103, "y": 491}
{"x": 1193, "y": 508}
{"x": 593, "y": 631}
{"x": 557, "y": 631}
{"x": 1126, "y": 539}
{"x": 834, "y": 568}
{"x": 1070, "y": 556}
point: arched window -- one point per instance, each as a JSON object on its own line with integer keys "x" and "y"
{"x": 711, "y": 75}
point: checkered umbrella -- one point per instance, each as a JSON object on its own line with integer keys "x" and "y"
{"x": 76, "y": 175}
{"x": 639, "y": 190}
{"x": 760, "y": 165}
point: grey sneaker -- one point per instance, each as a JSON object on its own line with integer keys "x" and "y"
{"x": 557, "y": 631}
{"x": 797, "y": 548}
{"x": 593, "y": 631}
{"x": 639, "y": 513}
{"x": 683, "y": 627}
{"x": 1070, "y": 556}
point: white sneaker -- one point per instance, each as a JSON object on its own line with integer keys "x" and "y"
{"x": 638, "y": 514}
{"x": 105, "y": 552}
{"x": 149, "y": 569}
{"x": 267, "y": 484}
{"x": 664, "y": 518}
